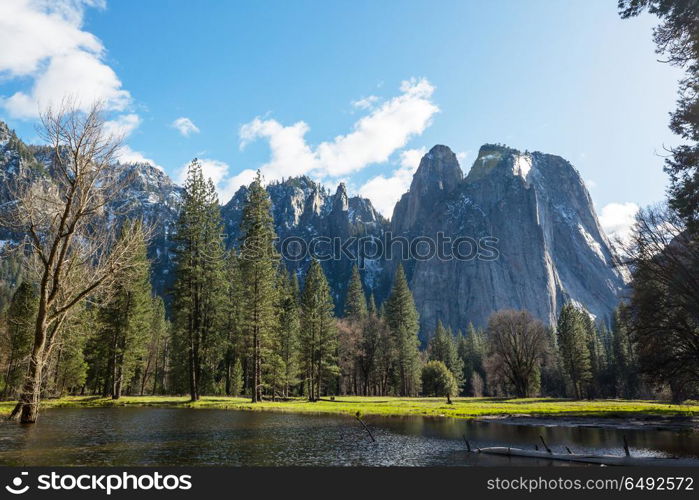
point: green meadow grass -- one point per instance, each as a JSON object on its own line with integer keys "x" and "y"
{"x": 396, "y": 406}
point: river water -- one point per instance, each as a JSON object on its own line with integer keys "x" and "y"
{"x": 159, "y": 436}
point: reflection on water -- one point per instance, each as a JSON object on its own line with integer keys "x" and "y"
{"x": 156, "y": 436}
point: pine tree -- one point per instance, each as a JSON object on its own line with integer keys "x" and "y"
{"x": 443, "y": 347}
{"x": 385, "y": 354}
{"x": 237, "y": 378}
{"x": 96, "y": 352}
{"x": 597, "y": 356}
{"x": 127, "y": 314}
{"x": 258, "y": 268}
{"x": 233, "y": 322}
{"x": 574, "y": 349}
{"x": 355, "y": 302}
{"x": 371, "y": 305}
{"x": 368, "y": 352}
{"x": 199, "y": 290}
{"x": 625, "y": 367}
{"x": 318, "y": 332}
{"x": 67, "y": 363}
{"x": 287, "y": 342}
{"x": 553, "y": 379}
{"x": 472, "y": 351}
{"x": 353, "y": 359}
{"x": 403, "y": 320}
{"x": 677, "y": 39}
{"x": 21, "y": 317}
{"x": 153, "y": 367}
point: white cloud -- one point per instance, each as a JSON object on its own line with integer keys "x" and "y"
{"x": 617, "y": 220}
{"x": 212, "y": 169}
{"x": 218, "y": 172}
{"x": 291, "y": 156}
{"x": 374, "y": 138}
{"x": 44, "y": 41}
{"x": 185, "y": 126}
{"x": 229, "y": 186}
{"x": 122, "y": 125}
{"x": 384, "y": 191}
{"x": 127, "y": 155}
{"x": 365, "y": 102}
{"x": 462, "y": 156}
{"x": 410, "y": 159}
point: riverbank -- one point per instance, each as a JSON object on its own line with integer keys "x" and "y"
{"x": 641, "y": 411}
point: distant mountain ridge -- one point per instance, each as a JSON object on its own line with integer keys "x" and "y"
{"x": 551, "y": 247}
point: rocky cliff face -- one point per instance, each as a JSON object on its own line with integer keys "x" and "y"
{"x": 436, "y": 178}
{"x": 17, "y": 162}
{"x": 304, "y": 210}
{"x": 152, "y": 197}
{"x": 551, "y": 247}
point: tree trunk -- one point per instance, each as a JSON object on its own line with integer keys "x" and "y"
{"x": 318, "y": 378}
{"x": 258, "y": 369}
{"x": 192, "y": 370}
{"x": 116, "y": 392}
{"x": 155, "y": 373}
{"x": 9, "y": 372}
{"x": 255, "y": 373}
{"x": 118, "y": 375}
{"x": 228, "y": 375}
{"x": 27, "y": 409}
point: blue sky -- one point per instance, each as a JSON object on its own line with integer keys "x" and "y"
{"x": 354, "y": 90}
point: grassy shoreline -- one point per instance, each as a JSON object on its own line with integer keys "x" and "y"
{"x": 394, "y": 406}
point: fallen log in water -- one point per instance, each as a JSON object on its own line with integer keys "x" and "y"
{"x": 589, "y": 459}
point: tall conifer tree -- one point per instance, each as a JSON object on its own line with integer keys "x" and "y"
{"x": 443, "y": 347}
{"x": 154, "y": 367}
{"x": 574, "y": 349}
{"x": 355, "y": 302}
{"x": 258, "y": 268}
{"x": 318, "y": 332}
{"x": 403, "y": 320}
{"x": 625, "y": 369}
{"x": 233, "y": 323}
{"x": 127, "y": 314}
{"x": 21, "y": 317}
{"x": 287, "y": 342}
{"x": 200, "y": 281}
{"x": 472, "y": 350}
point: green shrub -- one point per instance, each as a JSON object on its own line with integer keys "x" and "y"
{"x": 437, "y": 380}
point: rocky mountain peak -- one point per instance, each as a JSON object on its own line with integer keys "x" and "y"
{"x": 499, "y": 159}
{"x": 341, "y": 200}
{"x": 551, "y": 248}
{"x": 5, "y": 133}
{"x": 437, "y": 176}
{"x": 439, "y": 170}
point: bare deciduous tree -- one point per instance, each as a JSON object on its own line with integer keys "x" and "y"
{"x": 664, "y": 309}
{"x": 518, "y": 344}
{"x": 70, "y": 244}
